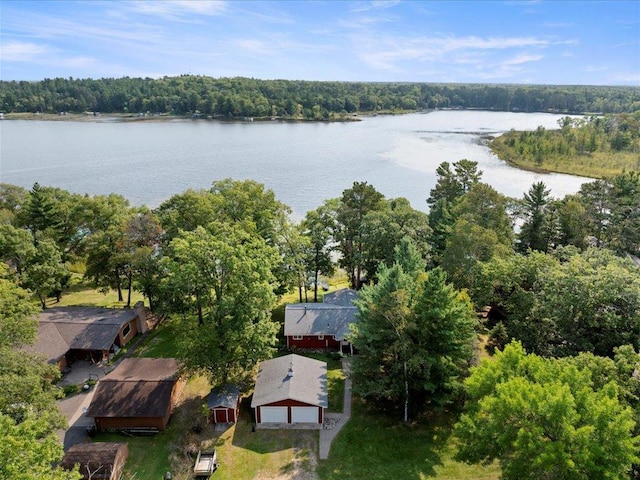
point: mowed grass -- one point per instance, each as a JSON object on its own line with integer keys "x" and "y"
{"x": 83, "y": 294}
{"x": 373, "y": 445}
{"x": 243, "y": 454}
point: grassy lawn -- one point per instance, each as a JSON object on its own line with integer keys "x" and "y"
{"x": 82, "y": 294}
{"x": 160, "y": 343}
{"x": 374, "y": 446}
{"x": 242, "y": 453}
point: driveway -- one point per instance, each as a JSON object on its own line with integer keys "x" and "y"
{"x": 73, "y": 407}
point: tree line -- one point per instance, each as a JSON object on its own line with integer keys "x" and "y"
{"x": 248, "y": 97}
{"x": 594, "y": 146}
{"x": 559, "y": 278}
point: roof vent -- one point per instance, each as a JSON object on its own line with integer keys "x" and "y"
{"x": 290, "y": 372}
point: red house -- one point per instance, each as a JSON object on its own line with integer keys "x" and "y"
{"x": 290, "y": 391}
{"x": 321, "y": 325}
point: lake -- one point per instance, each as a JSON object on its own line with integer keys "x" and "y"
{"x": 304, "y": 163}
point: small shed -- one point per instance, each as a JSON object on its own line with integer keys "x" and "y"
{"x": 291, "y": 391}
{"x": 97, "y": 461}
{"x": 224, "y": 404}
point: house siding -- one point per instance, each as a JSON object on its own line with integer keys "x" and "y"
{"x": 314, "y": 342}
{"x": 133, "y": 331}
{"x": 124, "y": 423}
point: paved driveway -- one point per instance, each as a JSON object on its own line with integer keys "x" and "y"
{"x": 73, "y": 408}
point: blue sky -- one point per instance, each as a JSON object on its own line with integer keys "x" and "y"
{"x": 548, "y": 42}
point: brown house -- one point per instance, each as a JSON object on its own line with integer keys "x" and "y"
{"x": 290, "y": 391}
{"x": 66, "y": 334}
{"x": 139, "y": 395}
{"x": 97, "y": 461}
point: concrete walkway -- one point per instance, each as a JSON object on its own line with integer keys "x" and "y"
{"x": 335, "y": 421}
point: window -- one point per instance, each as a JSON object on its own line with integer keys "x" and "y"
{"x": 320, "y": 337}
{"x": 126, "y": 330}
{"x": 297, "y": 337}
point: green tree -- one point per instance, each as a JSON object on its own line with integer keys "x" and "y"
{"x": 414, "y": 335}
{"x": 482, "y": 230}
{"x": 223, "y": 277}
{"x": 384, "y": 230}
{"x": 542, "y": 418}
{"x": 28, "y": 449}
{"x": 534, "y": 232}
{"x": 452, "y": 184}
{"x": 355, "y": 203}
{"x": 45, "y": 273}
{"x": 564, "y": 304}
{"x": 318, "y": 226}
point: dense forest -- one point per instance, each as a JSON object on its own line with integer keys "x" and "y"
{"x": 247, "y": 97}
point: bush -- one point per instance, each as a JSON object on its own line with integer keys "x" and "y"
{"x": 70, "y": 390}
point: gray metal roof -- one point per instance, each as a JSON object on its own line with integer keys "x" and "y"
{"x": 307, "y": 383}
{"x": 318, "y": 319}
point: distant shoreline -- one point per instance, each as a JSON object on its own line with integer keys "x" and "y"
{"x": 128, "y": 117}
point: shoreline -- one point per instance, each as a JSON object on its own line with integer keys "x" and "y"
{"x": 131, "y": 118}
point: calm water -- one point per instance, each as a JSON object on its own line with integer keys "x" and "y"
{"x": 303, "y": 163}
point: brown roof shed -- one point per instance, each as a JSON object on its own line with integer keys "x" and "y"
{"x": 97, "y": 461}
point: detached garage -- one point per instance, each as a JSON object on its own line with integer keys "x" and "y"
{"x": 290, "y": 391}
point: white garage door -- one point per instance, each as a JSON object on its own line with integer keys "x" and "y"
{"x": 304, "y": 414}
{"x": 273, "y": 414}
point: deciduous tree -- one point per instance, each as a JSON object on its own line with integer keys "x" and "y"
{"x": 542, "y": 418}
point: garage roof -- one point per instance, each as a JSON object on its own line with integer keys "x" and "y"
{"x": 292, "y": 377}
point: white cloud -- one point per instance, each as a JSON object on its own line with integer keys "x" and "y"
{"x": 522, "y": 58}
{"x": 178, "y": 10}
{"x": 374, "y": 5}
{"x": 22, "y": 51}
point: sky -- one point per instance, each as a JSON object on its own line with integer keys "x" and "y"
{"x": 481, "y": 41}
